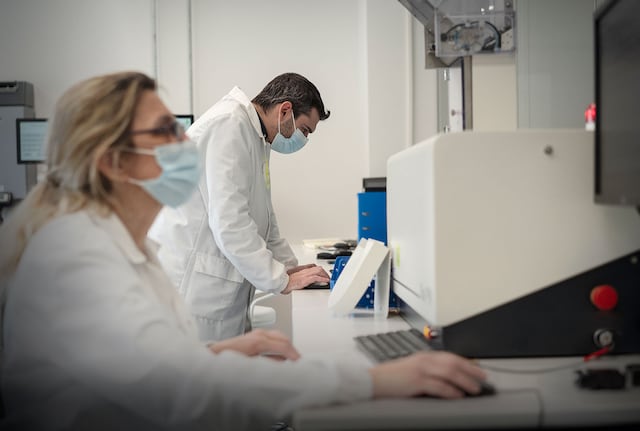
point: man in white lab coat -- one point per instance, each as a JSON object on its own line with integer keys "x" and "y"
{"x": 225, "y": 242}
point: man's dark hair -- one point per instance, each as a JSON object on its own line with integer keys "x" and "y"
{"x": 295, "y": 88}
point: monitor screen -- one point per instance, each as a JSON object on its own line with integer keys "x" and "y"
{"x": 617, "y": 73}
{"x": 31, "y": 134}
{"x": 186, "y": 120}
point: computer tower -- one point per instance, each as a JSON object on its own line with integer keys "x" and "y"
{"x": 16, "y": 101}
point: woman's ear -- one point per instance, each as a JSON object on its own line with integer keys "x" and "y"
{"x": 109, "y": 166}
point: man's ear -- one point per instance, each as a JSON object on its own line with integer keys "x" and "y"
{"x": 284, "y": 108}
{"x": 110, "y": 167}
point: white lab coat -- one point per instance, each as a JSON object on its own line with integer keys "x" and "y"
{"x": 225, "y": 240}
{"x": 96, "y": 338}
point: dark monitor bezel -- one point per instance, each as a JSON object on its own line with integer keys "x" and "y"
{"x": 189, "y": 116}
{"x": 600, "y": 196}
{"x": 18, "y": 144}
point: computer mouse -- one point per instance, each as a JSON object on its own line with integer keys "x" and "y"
{"x": 341, "y": 246}
{"x": 486, "y": 388}
{"x": 325, "y": 255}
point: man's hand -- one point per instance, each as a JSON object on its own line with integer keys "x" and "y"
{"x": 300, "y": 268}
{"x": 302, "y": 276}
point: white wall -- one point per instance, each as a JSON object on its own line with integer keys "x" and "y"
{"x": 53, "y": 44}
{"x": 172, "y": 52}
{"x": 424, "y": 88}
{"x": 365, "y": 56}
{"x": 314, "y": 189}
{"x": 358, "y": 53}
{"x": 389, "y": 78}
{"x": 495, "y": 95}
{"x": 555, "y": 62}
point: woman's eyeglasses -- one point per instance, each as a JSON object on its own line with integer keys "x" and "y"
{"x": 174, "y": 128}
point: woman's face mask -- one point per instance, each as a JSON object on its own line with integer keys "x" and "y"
{"x": 181, "y": 168}
{"x": 292, "y": 144}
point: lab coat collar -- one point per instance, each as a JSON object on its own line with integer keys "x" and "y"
{"x": 116, "y": 230}
{"x": 239, "y": 95}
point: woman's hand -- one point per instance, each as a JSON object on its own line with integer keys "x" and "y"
{"x": 259, "y": 342}
{"x": 440, "y": 374}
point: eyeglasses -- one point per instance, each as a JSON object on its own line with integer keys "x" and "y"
{"x": 175, "y": 128}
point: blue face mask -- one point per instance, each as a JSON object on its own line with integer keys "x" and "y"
{"x": 289, "y": 145}
{"x": 181, "y": 168}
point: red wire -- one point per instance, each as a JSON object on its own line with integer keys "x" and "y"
{"x": 597, "y": 353}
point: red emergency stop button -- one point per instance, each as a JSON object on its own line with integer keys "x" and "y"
{"x": 604, "y": 297}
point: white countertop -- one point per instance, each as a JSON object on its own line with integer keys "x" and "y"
{"x": 544, "y": 399}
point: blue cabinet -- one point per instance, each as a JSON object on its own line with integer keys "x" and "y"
{"x": 372, "y": 216}
{"x": 372, "y": 223}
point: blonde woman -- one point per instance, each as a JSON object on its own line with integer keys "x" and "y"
{"x": 94, "y": 334}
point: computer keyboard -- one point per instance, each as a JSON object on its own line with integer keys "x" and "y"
{"x": 390, "y": 345}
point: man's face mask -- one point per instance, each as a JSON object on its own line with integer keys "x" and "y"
{"x": 292, "y": 144}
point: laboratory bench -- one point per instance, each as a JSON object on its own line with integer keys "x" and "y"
{"x": 530, "y": 392}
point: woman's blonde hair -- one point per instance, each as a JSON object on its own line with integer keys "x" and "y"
{"x": 91, "y": 118}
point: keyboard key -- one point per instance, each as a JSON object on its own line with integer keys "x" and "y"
{"x": 416, "y": 338}
{"x": 372, "y": 348}
{"x": 391, "y": 345}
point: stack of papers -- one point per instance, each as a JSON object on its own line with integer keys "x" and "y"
{"x": 321, "y": 243}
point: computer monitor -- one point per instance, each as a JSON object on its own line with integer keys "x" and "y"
{"x": 185, "y": 119}
{"x": 497, "y": 243}
{"x": 617, "y": 72}
{"x": 31, "y": 137}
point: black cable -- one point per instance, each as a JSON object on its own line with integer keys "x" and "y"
{"x": 498, "y": 35}
{"x": 464, "y": 24}
{"x": 489, "y": 44}
{"x": 497, "y": 38}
